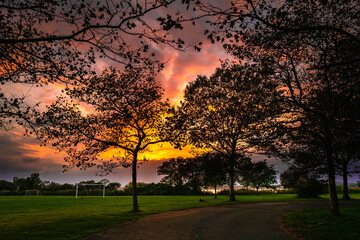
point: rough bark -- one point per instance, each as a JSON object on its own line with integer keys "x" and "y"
{"x": 346, "y": 195}
{"x": 231, "y": 182}
{"x": 334, "y": 201}
{"x": 134, "y": 187}
{"x": 215, "y": 192}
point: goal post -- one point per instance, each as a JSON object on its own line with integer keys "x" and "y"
{"x": 88, "y": 184}
{"x": 31, "y": 192}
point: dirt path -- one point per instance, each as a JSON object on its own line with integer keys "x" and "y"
{"x": 243, "y": 221}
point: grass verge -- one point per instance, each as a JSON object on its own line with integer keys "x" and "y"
{"x": 317, "y": 224}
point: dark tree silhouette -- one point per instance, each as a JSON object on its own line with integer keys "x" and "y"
{"x": 127, "y": 116}
{"x": 306, "y": 168}
{"x": 258, "y": 174}
{"x": 347, "y": 156}
{"x": 206, "y": 170}
{"x": 312, "y": 48}
{"x": 42, "y": 41}
{"x": 182, "y": 171}
{"x": 223, "y": 112}
{"x": 213, "y": 171}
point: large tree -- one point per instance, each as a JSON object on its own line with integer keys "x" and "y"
{"x": 42, "y": 41}
{"x": 222, "y": 113}
{"x": 312, "y": 48}
{"x": 126, "y": 115}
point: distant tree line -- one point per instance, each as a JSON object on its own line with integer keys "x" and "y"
{"x": 19, "y": 185}
{"x": 210, "y": 171}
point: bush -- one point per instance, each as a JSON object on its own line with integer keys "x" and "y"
{"x": 161, "y": 189}
{"x": 245, "y": 192}
{"x": 310, "y": 188}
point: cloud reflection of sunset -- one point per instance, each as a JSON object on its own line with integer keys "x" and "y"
{"x": 155, "y": 152}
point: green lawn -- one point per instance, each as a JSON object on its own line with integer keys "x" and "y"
{"x": 317, "y": 224}
{"x": 55, "y": 217}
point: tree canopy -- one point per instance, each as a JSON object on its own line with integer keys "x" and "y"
{"x": 224, "y": 113}
{"x": 45, "y": 41}
{"x": 258, "y": 174}
{"x": 126, "y": 116}
{"x": 312, "y": 49}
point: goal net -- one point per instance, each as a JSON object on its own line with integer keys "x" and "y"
{"x": 31, "y": 192}
{"x": 90, "y": 189}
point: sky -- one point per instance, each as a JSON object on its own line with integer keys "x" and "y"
{"x": 22, "y": 155}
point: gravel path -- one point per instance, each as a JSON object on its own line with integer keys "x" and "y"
{"x": 244, "y": 221}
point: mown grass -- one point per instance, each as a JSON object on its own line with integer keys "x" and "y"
{"x": 60, "y": 217}
{"x": 317, "y": 224}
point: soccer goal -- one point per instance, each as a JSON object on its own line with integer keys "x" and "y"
{"x": 86, "y": 190}
{"x": 31, "y": 192}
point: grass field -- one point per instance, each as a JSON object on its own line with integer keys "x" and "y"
{"x": 317, "y": 224}
{"x": 57, "y": 217}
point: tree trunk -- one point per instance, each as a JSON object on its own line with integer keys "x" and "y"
{"x": 215, "y": 192}
{"x": 345, "y": 184}
{"x": 257, "y": 191}
{"x": 334, "y": 202}
{"x": 134, "y": 187}
{"x": 231, "y": 182}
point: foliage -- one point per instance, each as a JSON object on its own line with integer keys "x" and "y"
{"x": 182, "y": 172}
{"x": 46, "y": 41}
{"x": 311, "y": 48}
{"x": 162, "y": 189}
{"x": 223, "y": 112}
{"x": 304, "y": 174}
{"x": 127, "y": 116}
{"x": 347, "y": 156}
{"x": 193, "y": 173}
{"x": 178, "y": 171}
{"x": 259, "y": 174}
{"x": 6, "y": 186}
{"x": 213, "y": 171}
{"x": 30, "y": 183}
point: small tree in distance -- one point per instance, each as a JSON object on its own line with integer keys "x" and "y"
{"x": 304, "y": 173}
{"x": 182, "y": 172}
{"x": 213, "y": 171}
{"x": 127, "y": 116}
{"x": 258, "y": 174}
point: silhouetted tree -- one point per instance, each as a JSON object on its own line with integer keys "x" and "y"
{"x": 258, "y": 174}
{"x": 126, "y": 116}
{"x": 5, "y": 185}
{"x": 213, "y": 171}
{"x": 33, "y": 182}
{"x": 304, "y": 173}
{"x": 223, "y": 112}
{"x": 312, "y": 48}
{"x": 347, "y": 156}
{"x": 182, "y": 171}
{"x": 43, "y": 41}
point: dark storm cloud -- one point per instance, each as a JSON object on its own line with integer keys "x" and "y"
{"x": 19, "y": 156}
